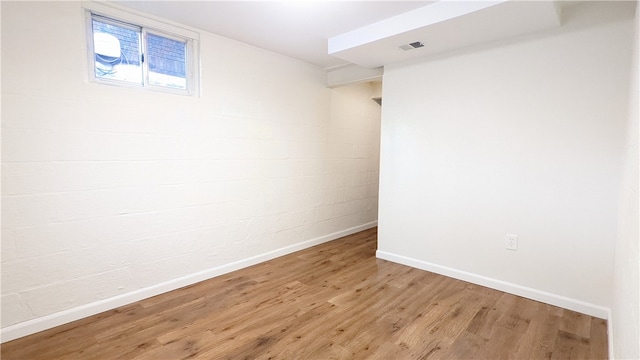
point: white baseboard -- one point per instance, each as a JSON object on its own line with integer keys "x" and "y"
{"x": 527, "y": 292}
{"x": 49, "y": 321}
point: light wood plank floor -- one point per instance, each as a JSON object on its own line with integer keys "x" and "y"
{"x": 333, "y": 301}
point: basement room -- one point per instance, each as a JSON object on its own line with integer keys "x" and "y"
{"x": 308, "y": 179}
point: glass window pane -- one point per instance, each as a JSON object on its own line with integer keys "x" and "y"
{"x": 117, "y": 52}
{"x": 167, "y": 61}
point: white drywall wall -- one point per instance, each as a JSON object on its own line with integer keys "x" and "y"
{"x": 110, "y": 194}
{"x": 626, "y": 282}
{"x": 522, "y": 137}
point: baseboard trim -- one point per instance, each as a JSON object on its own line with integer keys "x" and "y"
{"x": 527, "y": 292}
{"x": 49, "y": 321}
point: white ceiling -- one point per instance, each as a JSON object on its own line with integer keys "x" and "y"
{"x": 299, "y": 29}
{"x": 365, "y": 33}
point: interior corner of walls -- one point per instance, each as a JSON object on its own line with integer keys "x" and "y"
{"x": 511, "y": 288}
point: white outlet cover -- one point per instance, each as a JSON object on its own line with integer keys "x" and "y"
{"x": 511, "y": 242}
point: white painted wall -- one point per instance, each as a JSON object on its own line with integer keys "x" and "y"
{"x": 524, "y": 137}
{"x": 626, "y": 280}
{"x": 353, "y": 153}
{"x": 112, "y": 194}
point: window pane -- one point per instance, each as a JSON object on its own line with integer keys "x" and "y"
{"x": 117, "y": 52}
{"x": 167, "y": 61}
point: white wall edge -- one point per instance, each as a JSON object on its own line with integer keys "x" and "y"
{"x": 515, "y": 289}
{"x": 63, "y": 317}
{"x": 610, "y": 335}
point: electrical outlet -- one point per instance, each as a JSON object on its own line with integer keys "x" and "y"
{"x": 511, "y": 242}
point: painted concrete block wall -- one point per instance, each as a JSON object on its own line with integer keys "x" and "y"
{"x": 109, "y": 190}
{"x": 626, "y": 281}
{"x": 522, "y": 137}
{"x": 353, "y": 153}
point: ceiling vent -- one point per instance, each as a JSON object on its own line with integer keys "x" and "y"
{"x": 411, "y": 46}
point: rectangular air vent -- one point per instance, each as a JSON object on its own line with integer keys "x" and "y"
{"x": 411, "y": 46}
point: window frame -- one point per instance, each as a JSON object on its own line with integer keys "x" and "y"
{"x": 146, "y": 25}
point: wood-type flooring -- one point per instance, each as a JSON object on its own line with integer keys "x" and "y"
{"x": 332, "y": 301}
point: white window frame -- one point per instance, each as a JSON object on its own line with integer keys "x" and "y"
{"x": 147, "y": 25}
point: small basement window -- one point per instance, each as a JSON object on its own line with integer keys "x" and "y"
{"x": 124, "y": 53}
